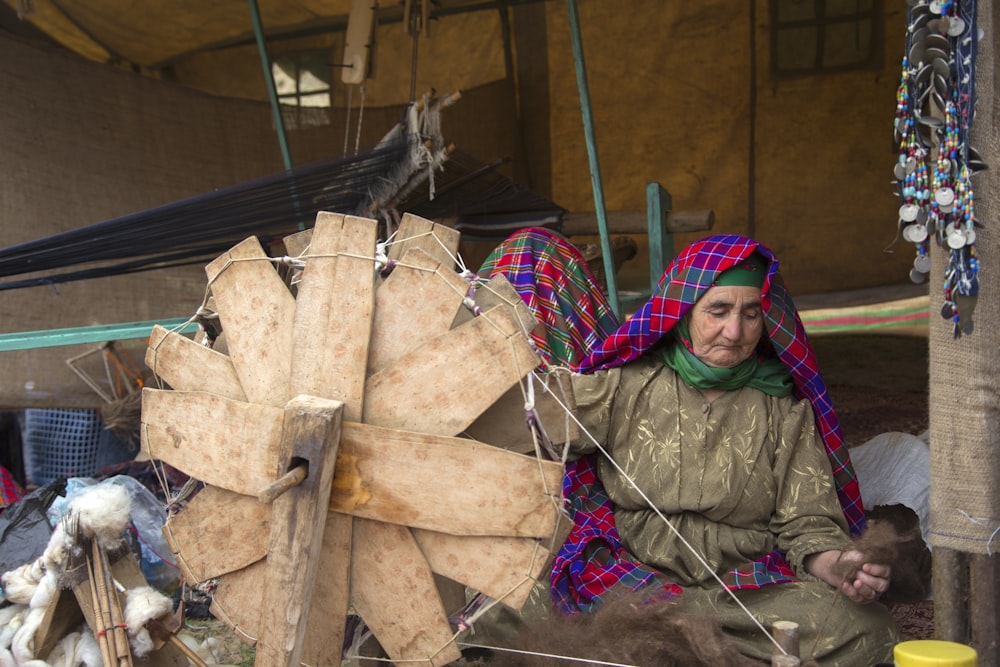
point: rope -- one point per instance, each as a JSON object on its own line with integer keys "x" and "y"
{"x": 546, "y": 655}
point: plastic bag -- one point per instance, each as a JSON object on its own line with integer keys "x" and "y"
{"x": 24, "y": 526}
{"x": 147, "y": 517}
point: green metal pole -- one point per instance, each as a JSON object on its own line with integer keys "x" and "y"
{"x": 272, "y": 93}
{"x": 595, "y": 168}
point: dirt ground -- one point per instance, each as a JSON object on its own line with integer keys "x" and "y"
{"x": 878, "y": 383}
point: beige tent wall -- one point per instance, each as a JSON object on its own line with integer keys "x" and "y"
{"x": 460, "y": 52}
{"x": 675, "y": 99}
{"x": 87, "y": 143}
{"x": 682, "y": 94}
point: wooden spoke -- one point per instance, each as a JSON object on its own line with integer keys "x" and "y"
{"x": 256, "y": 310}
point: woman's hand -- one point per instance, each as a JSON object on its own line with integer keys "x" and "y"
{"x": 845, "y": 571}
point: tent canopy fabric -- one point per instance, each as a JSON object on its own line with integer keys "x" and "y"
{"x": 151, "y": 35}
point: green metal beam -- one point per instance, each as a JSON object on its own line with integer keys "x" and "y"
{"x": 101, "y": 333}
{"x": 595, "y": 167}
{"x": 272, "y": 93}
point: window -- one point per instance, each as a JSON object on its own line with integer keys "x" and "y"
{"x": 303, "y": 79}
{"x": 813, "y": 36}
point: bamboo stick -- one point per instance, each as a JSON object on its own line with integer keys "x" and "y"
{"x": 99, "y": 625}
{"x": 111, "y": 610}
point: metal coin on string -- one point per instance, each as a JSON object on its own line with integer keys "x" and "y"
{"x": 935, "y": 105}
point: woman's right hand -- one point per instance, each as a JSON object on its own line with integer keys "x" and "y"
{"x": 864, "y": 583}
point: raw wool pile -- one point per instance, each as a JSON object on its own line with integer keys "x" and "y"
{"x": 629, "y": 630}
{"x": 100, "y": 513}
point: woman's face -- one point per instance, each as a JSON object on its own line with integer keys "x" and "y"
{"x": 726, "y": 324}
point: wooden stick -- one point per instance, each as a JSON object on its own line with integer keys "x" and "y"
{"x": 102, "y": 609}
{"x": 186, "y": 650}
{"x": 111, "y": 608}
{"x": 290, "y": 479}
{"x": 122, "y": 647}
{"x": 99, "y": 625}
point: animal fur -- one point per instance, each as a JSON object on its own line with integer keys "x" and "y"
{"x": 911, "y": 571}
{"x": 893, "y": 537}
{"x": 629, "y": 630}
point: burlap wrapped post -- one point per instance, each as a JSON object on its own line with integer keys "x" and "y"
{"x": 965, "y": 404}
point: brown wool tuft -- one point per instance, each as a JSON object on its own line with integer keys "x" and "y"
{"x": 122, "y": 417}
{"x": 630, "y": 630}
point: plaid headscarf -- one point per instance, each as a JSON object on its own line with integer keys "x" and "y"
{"x": 592, "y": 560}
{"x": 10, "y": 490}
{"x": 559, "y": 288}
{"x": 689, "y": 276}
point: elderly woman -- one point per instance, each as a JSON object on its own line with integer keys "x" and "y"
{"x": 720, "y": 470}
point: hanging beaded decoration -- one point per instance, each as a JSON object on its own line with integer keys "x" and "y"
{"x": 934, "y": 111}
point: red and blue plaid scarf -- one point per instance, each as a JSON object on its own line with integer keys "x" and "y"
{"x": 592, "y": 561}
{"x": 559, "y": 288}
{"x": 10, "y": 490}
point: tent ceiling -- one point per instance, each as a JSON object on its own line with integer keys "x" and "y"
{"x": 152, "y": 34}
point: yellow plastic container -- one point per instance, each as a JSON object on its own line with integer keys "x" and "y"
{"x": 934, "y": 653}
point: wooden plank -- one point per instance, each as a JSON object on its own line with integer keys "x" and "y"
{"x": 237, "y": 601}
{"x": 504, "y": 424}
{"x": 324, "y": 639}
{"x": 186, "y": 366}
{"x": 257, "y": 312}
{"x": 447, "y": 484}
{"x": 333, "y": 324}
{"x": 333, "y": 314}
{"x": 443, "y": 385}
{"x": 62, "y": 616}
{"x": 311, "y": 434}
{"x": 225, "y": 443}
{"x": 584, "y": 223}
{"x": 504, "y": 568}
{"x": 414, "y": 304}
{"x": 218, "y": 532}
{"x": 435, "y": 239}
{"x": 393, "y": 590}
{"x": 498, "y": 291}
{"x": 296, "y": 244}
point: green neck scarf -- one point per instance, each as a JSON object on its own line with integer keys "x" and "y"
{"x": 768, "y": 375}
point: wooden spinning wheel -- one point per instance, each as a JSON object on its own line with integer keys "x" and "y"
{"x": 328, "y": 442}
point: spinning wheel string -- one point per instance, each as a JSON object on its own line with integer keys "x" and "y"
{"x": 665, "y": 520}
{"x": 547, "y": 655}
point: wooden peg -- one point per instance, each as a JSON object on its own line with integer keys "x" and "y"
{"x": 786, "y": 635}
{"x": 290, "y": 479}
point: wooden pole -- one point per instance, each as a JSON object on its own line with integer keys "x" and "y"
{"x": 984, "y": 576}
{"x": 951, "y": 619}
{"x": 595, "y": 166}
